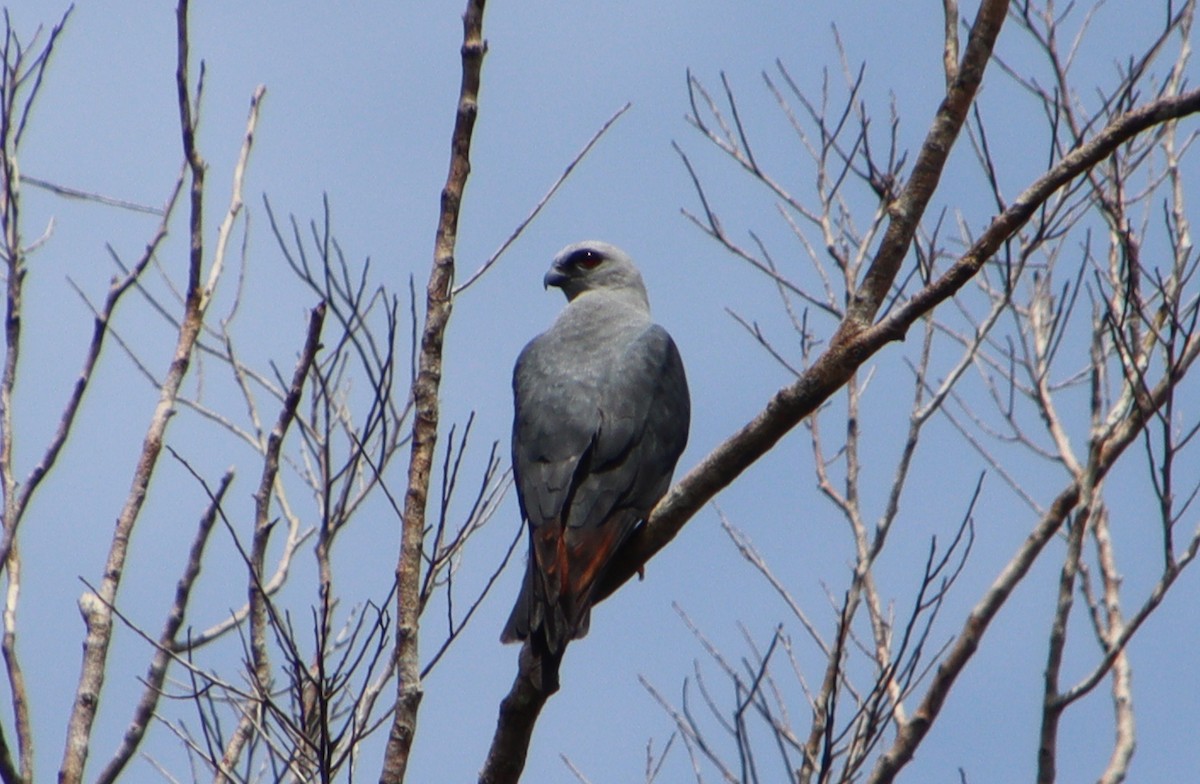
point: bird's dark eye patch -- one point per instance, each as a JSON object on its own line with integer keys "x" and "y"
{"x": 585, "y": 259}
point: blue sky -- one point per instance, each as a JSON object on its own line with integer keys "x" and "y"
{"x": 359, "y": 105}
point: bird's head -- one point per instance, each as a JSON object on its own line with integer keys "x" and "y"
{"x": 594, "y": 266}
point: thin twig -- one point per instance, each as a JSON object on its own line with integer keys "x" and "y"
{"x": 537, "y": 208}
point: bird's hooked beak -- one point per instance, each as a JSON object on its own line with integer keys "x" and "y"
{"x": 554, "y": 277}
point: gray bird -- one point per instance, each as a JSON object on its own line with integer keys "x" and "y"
{"x": 602, "y": 415}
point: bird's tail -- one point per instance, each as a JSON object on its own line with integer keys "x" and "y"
{"x": 547, "y": 621}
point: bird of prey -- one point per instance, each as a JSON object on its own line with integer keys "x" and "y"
{"x": 602, "y": 415}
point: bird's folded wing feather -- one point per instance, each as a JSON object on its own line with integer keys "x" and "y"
{"x": 590, "y": 440}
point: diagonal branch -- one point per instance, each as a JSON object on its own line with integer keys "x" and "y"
{"x": 835, "y": 366}
{"x": 157, "y": 673}
{"x": 1105, "y": 453}
{"x": 907, "y": 209}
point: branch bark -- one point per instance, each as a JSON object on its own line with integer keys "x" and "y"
{"x": 519, "y": 711}
{"x": 425, "y": 388}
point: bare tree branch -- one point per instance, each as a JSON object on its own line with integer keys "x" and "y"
{"x": 831, "y": 370}
{"x": 260, "y": 668}
{"x": 438, "y": 303}
{"x": 96, "y": 609}
{"x": 157, "y": 673}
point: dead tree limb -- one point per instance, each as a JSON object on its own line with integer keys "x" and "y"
{"x": 425, "y": 389}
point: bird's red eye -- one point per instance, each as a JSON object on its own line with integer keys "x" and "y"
{"x": 586, "y": 259}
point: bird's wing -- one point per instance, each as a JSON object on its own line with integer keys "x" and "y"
{"x": 644, "y": 425}
{"x": 593, "y": 450}
{"x": 556, "y": 423}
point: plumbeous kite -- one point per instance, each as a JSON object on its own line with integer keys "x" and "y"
{"x": 602, "y": 414}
